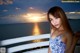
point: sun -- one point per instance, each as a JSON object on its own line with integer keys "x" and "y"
{"x": 34, "y": 17}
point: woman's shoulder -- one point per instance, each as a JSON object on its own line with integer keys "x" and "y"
{"x": 68, "y": 36}
{"x": 68, "y": 33}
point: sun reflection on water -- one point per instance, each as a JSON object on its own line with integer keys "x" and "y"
{"x": 36, "y": 31}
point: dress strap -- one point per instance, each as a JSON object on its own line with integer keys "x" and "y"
{"x": 62, "y": 35}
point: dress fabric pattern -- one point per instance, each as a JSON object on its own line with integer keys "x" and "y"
{"x": 56, "y": 45}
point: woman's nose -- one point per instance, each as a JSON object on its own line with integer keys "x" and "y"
{"x": 54, "y": 22}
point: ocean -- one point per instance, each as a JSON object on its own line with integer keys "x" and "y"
{"x": 9, "y": 31}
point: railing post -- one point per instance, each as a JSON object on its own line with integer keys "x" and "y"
{"x": 3, "y": 50}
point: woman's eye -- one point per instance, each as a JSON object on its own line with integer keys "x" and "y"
{"x": 55, "y": 17}
{"x": 50, "y": 19}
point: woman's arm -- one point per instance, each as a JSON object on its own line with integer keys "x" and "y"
{"x": 68, "y": 43}
{"x": 49, "y": 51}
{"x": 75, "y": 39}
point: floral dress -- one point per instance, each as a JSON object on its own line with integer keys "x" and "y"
{"x": 56, "y": 45}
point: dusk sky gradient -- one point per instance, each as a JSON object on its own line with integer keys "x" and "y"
{"x": 11, "y": 11}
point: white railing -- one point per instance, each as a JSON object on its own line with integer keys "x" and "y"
{"x": 25, "y": 46}
{"x": 29, "y": 45}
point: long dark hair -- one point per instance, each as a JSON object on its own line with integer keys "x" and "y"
{"x": 59, "y": 13}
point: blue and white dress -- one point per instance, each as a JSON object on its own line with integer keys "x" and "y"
{"x": 56, "y": 45}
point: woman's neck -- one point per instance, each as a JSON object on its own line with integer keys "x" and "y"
{"x": 60, "y": 28}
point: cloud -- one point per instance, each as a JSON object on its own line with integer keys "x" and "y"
{"x": 31, "y": 8}
{"x": 6, "y": 2}
{"x": 17, "y": 8}
{"x": 5, "y": 10}
{"x": 9, "y": 19}
{"x": 73, "y": 15}
{"x": 24, "y": 17}
{"x": 1, "y": 2}
{"x": 9, "y": 1}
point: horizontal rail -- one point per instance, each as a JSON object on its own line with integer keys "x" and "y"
{"x": 22, "y": 39}
{"x": 27, "y": 46}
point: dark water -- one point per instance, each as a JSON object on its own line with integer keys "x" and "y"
{"x": 8, "y": 31}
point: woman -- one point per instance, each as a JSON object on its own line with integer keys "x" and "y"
{"x": 61, "y": 32}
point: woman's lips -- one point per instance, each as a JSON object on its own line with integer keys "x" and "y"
{"x": 56, "y": 25}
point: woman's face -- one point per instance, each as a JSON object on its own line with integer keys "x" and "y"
{"x": 56, "y": 22}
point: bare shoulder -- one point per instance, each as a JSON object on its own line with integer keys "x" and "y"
{"x": 68, "y": 35}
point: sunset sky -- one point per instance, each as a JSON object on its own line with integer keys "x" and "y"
{"x": 23, "y": 11}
